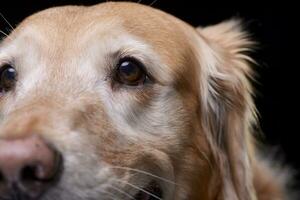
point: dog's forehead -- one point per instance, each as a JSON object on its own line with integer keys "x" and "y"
{"x": 166, "y": 34}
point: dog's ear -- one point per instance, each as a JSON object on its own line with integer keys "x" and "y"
{"x": 227, "y": 109}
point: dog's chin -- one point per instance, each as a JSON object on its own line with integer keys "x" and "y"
{"x": 152, "y": 191}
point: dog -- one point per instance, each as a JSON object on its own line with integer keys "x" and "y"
{"x": 123, "y": 101}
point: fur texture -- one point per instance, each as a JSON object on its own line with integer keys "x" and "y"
{"x": 190, "y": 130}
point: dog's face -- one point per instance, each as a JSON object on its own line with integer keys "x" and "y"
{"x": 131, "y": 98}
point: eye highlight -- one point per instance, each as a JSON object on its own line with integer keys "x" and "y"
{"x": 8, "y": 78}
{"x": 130, "y": 72}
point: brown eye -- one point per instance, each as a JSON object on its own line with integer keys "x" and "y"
{"x": 8, "y": 77}
{"x": 130, "y": 72}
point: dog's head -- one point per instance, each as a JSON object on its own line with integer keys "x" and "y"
{"x": 122, "y": 101}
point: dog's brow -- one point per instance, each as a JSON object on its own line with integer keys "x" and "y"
{"x": 151, "y": 61}
{"x": 127, "y": 45}
{"x": 3, "y": 57}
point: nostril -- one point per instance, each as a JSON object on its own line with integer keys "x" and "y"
{"x": 29, "y": 164}
{"x": 41, "y": 172}
{"x": 29, "y": 174}
{"x": 1, "y": 178}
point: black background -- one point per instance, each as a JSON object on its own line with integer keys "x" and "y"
{"x": 271, "y": 25}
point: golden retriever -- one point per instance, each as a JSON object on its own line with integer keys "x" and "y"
{"x": 123, "y": 101}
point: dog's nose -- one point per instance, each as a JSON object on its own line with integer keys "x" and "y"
{"x": 28, "y": 167}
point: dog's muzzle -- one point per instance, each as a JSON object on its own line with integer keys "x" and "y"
{"x": 28, "y": 168}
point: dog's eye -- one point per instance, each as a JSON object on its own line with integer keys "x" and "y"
{"x": 8, "y": 76}
{"x": 130, "y": 72}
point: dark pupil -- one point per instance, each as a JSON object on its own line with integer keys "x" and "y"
{"x": 129, "y": 72}
{"x": 8, "y": 77}
{"x": 128, "y": 69}
{"x": 9, "y": 74}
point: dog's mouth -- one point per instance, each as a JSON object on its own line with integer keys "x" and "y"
{"x": 151, "y": 192}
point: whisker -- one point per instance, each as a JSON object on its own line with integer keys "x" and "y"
{"x": 109, "y": 195}
{"x": 5, "y": 34}
{"x": 9, "y": 24}
{"x": 122, "y": 192}
{"x": 140, "y": 189}
{"x": 153, "y": 2}
{"x": 145, "y": 173}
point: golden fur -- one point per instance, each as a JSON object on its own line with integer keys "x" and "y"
{"x": 191, "y": 129}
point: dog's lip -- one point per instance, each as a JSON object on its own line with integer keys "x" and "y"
{"x": 152, "y": 191}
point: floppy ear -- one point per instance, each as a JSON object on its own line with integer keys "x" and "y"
{"x": 227, "y": 110}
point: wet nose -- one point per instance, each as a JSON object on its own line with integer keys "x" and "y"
{"x": 28, "y": 167}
